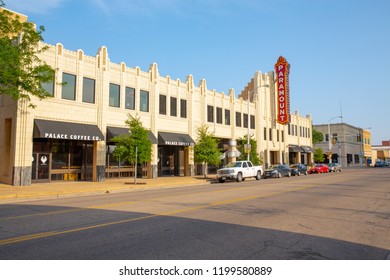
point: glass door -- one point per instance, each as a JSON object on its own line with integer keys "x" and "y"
{"x": 41, "y": 167}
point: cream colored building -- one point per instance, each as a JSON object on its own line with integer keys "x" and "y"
{"x": 67, "y": 137}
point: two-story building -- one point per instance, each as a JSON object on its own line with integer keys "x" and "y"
{"x": 68, "y": 136}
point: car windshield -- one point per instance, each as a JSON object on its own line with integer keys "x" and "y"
{"x": 318, "y": 165}
{"x": 294, "y": 166}
{"x": 233, "y": 164}
{"x": 273, "y": 167}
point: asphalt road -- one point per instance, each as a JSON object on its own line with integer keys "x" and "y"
{"x": 321, "y": 216}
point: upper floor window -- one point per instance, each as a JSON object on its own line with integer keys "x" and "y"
{"x": 173, "y": 106}
{"x": 210, "y": 113}
{"x": 114, "y": 95}
{"x": 245, "y": 120}
{"x": 88, "y": 90}
{"x": 253, "y": 122}
{"x": 238, "y": 119}
{"x": 163, "y": 104}
{"x": 183, "y": 108}
{"x": 130, "y": 98}
{"x": 219, "y": 115}
{"x": 144, "y": 101}
{"x": 227, "y": 117}
{"x": 49, "y": 87}
{"x": 69, "y": 86}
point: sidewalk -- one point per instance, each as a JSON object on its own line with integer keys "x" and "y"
{"x": 66, "y": 188}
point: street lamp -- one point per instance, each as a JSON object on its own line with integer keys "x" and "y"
{"x": 329, "y": 141}
{"x": 249, "y": 117}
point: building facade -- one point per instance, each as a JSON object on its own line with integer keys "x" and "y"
{"x": 345, "y": 144}
{"x": 68, "y": 136}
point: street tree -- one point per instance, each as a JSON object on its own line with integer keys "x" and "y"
{"x": 22, "y": 72}
{"x": 206, "y": 148}
{"x": 317, "y": 136}
{"x": 126, "y": 143}
{"x": 318, "y": 155}
{"x": 253, "y": 155}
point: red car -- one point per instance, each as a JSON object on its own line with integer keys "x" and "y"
{"x": 319, "y": 168}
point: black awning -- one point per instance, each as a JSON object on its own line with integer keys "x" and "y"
{"x": 295, "y": 149}
{"x": 116, "y": 131}
{"x": 307, "y": 149}
{"x": 175, "y": 139}
{"x": 67, "y": 131}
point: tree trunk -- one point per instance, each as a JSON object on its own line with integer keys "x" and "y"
{"x": 205, "y": 169}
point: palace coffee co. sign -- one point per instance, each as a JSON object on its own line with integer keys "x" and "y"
{"x": 282, "y": 69}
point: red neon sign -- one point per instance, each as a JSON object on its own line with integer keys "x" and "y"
{"x": 282, "y": 69}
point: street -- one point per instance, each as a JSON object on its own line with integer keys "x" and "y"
{"x": 342, "y": 216}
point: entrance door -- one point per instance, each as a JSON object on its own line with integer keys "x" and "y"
{"x": 41, "y": 167}
{"x": 87, "y": 163}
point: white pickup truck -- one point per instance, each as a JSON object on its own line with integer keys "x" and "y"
{"x": 239, "y": 170}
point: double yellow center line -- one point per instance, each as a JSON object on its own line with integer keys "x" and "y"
{"x": 167, "y": 213}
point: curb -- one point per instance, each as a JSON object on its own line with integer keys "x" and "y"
{"x": 104, "y": 189}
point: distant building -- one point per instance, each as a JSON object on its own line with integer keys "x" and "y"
{"x": 381, "y": 152}
{"x": 345, "y": 144}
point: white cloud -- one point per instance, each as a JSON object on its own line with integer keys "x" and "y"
{"x": 33, "y": 6}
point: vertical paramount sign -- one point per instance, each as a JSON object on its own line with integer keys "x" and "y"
{"x": 282, "y": 69}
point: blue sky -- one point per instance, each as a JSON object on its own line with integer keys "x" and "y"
{"x": 339, "y": 50}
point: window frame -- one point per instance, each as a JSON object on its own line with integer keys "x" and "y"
{"x": 66, "y": 85}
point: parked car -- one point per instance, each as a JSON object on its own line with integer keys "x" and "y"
{"x": 319, "y": 168}
{"x": 379, "y": 164}
{"x": 239, "y": 170}
{"x": 298, "y": 169}
{"x": 277, "y": 171}
{"x": 334, "y": 167}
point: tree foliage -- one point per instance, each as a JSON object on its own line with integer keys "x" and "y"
{"x": 318, "y": 155}
{"x": 137, "y": 137}
{"x": 253, "y": 155}
{"x": 317, "y": 136}
{"x": 22, "y": 72}
{"x": 206, "y": 148}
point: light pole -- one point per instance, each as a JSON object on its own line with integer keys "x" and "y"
{"x": 248, "y": 148}
{"x": 329, "y": 141}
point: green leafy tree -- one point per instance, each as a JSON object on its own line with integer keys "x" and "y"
{"x": 319, "y": 155}
{"x": 22, "y": 72}
{"x": 317, "y": 136}
{"x": 253, "y": 155}
{"x": 137, "y": 137}
{"x": 206, "y": 148}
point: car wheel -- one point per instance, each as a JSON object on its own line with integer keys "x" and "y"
{"x": 299, "y": 173}
{"x": 239, "y": 177}
{"x": 279, "y": 175}
{"x": 305, "y": 172}
{"x": 289, "y": 174}
{"x": 258, "y": 175}
{"x": 221, "y": 180}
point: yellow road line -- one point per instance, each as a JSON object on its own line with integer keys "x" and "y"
{"x": 105, "y": 206}
{"x": 168, "y": 213}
